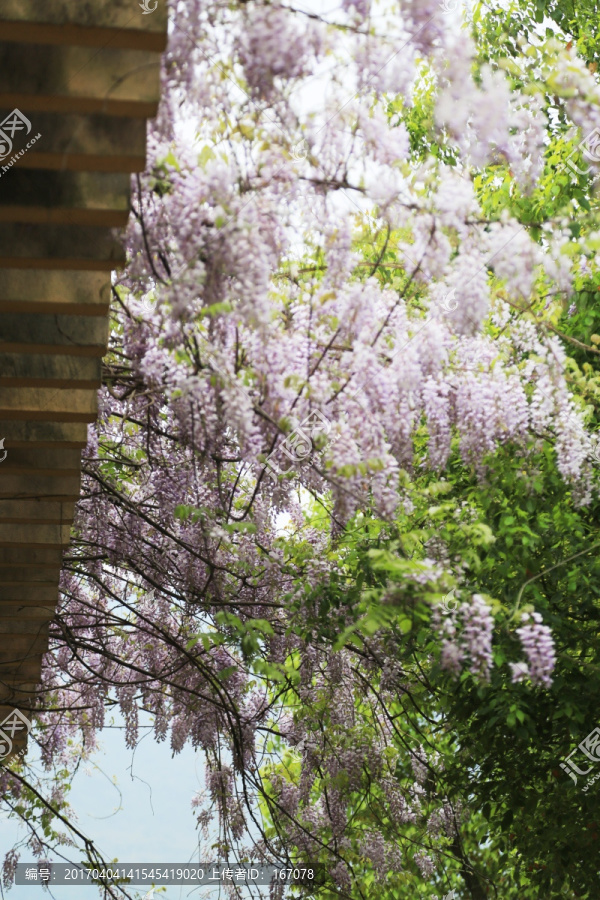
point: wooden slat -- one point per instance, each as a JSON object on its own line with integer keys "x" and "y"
{"x": 24, "y": 291}
{"x": 80, "y": 265}
{"x": 20, "y": 666}
{"x": 83, "y": 143}
{"x": 127, "y": 109}
{"x": 32, "y": 459}
{"x": 41, "y": 215}
{"x": 18, "y": 694}
{"x": 96, "y": 15}
{"x": 31, "y": 534}
{"x": 17, "y": 574}
{"x": 60, "y": 242}
{"x": 123, "y": 38}
{"x": 27, "y": 612}
{"x": 78, "y": 162}
{"x": 34, "y": 593}
{"x": 79, "y": 73}
{"x": 23, "y": 647}
{"x": 19, "y": 626}
{"x": 69, "y": 335}
{"x": 63, "y": 488}
{"x": 105, "y": 191}
{"x": 39, "y": 370}
{"x": 40, "y": 557}
{"x": 49, "y": 404}
{"x": 17, "y": 434}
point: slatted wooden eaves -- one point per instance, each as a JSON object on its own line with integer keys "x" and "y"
{"x": 86, "y": 75}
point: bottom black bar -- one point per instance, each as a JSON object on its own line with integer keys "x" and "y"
{"x": 162, "y": 873}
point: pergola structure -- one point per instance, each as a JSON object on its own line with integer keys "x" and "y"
{"x": 83, "y": 77}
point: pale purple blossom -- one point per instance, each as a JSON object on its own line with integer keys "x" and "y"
{"x": 538, "y": 646}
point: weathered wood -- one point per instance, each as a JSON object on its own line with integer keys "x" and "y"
{"x": 35, "y": 512}
{"x": 43, "y": 434}
{"x": 34, "y": 602}
{"x": 63, "y": 242}
{"x": 21, "y": 665}
{"x": 106, "y": 74}
{"x": 70, "y": 335}
{"x": 86, "y": 75}
{"x": 78, "y": 162}
{"x": 27, "y": 612}
{"x": 26, "y": 514}
{"x": 23, "y": 646}
{"x": 16, "y": 574}
{"x": 73, "y": 104}
{"x": 17, "y": 626}
{"x": 30, "y": 670}
{"x": 5, "y": 710}
{"x": 91, "y": 137}
{"x": 50, "y": 404}
{"x": 36, "y": 593}
{"x": 41, "y": 215}
{"x": 82, "y": 36}
{"x": 24, "y": 291}
{"x": 31, "y": 533}
{"x": 20, "y": 692}
{"x": 73, "y": 191}
{"x": 56, "y": 460}
{"x": 41, "y": 557}
{"x": 94, "y": 14}
{"x": 38, "y": 370}
{"x": 62, "y": 488}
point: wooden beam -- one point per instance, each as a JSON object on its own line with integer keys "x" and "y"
{"x": 22, "y": 667}
{"x": 49, "y": 404}
{"x": 35, "y": 593}
{"x": 20, "y": 692}
{"x": 106, "y": 191}
{"x": 69, "y": 335}
{"x": 40, "y": 370}
{"x": 16, "y": 574}
{"x": 27, "y": 612}
{"x": 25, "y": 291}
{"x": 85, "y": 74}
{"x": 86, "y": 143}
{"x": 43, "y": 461}
{"x": 121, "y": 38}
{"x": 41, "y": 557}
{"x": 41, "y": 215}
{"x": 24, "y": 646}
{"x": 63, "y": 488}
{"x": 62, "y": 242}
{"x": 98, "y": 15}
{"x": 31, "y": 534}
{"x": 72, "y": 435}
{"x": 127, "y": 109}
{"x": 81, "y": 265}
{"x": 18, "y": 626}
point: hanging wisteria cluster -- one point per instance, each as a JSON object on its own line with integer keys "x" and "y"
{"x": 311, "y": 312}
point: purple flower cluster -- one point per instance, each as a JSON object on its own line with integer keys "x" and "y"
{"x": 466, "y": 633}
{"x": 538, "y": 646}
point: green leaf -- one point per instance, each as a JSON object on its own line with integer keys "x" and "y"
{"x": 226, "y": 673}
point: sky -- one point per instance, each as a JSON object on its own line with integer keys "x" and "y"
{"x": 135, "y": 805}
